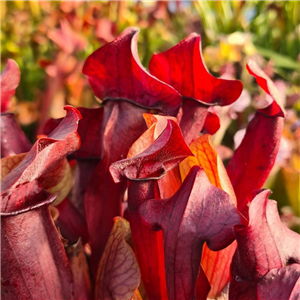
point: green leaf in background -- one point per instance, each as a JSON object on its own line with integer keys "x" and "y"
{"x": 281, "y": 61}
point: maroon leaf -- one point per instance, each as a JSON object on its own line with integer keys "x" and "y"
{"x": 274, "y": 108}
{"x": 42, "y": 164}
{"x": 115, "y": 72}
{"x": 197, "y": 213}
{"x": 122, "y": 125}
{"x": 10, "y": 79}
{"x": 34, "y": 264}
{"x": 143, "y": 170}
{"x": 88, "y": 155}
{"x": 127, "y": 89}
{"x": 190, "y": 77}
{"x": 253, "y": 160}
{"x": 33, "y": 261}
{"x": 13, "y": 139}
{"x": 71, "y": 223}
{"x": 92, "y": 121}
{"x": 266, "y": 248}
{"x": 281, "y": 284}
{"x": 202, "y": 286}
{"x": 155, "y": 160}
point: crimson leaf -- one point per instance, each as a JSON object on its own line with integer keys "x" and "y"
{"x": 183, "y": 68}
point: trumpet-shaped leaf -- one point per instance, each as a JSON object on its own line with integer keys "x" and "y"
{"x": 167, "y": 151}
{"x": 142, "y": 171}
{"x": 216, "y": 265}
{"x": 197, "y": 213}
{"x": 115, "y": 72}
{"x": 44, "y": 163}
{"x": 127, "y": 91}
{"x": 267, "y": 259}
{"x": 33, "y": 260}
{"x": 183, "y": 68}
{"x": 34, "y": 263}
{"x": 253, "y": 160}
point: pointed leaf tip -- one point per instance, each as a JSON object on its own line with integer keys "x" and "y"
{"x": 275, "y": 107}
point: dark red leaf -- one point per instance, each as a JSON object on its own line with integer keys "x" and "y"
{"x": 197, "y": 213}
{"x": 202, "y": 286}
{"x": 265, "y": 249}
{"x": 142, "y": 171}
{"x": 183, "y": 68}
{"x": 275, "y": 108}
{"x": 10, "y": 79}
{"x": 167, "y": 151}
{"x": 253, "y": 160}
{"x": 71, "y": 223}
{"x": 281, "y": 284}
{"x": 13, "y": 139}
{"x": 89, "y": 130}
{"x": 115, "y": 72}
{"x": 33, "y": 260}
{"x": 41, "y": 164}
{"x": 122, "y": 124}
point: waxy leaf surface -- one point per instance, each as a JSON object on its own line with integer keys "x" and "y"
{"x": 115, "y": 72}
{"x": 70, "y": 221}
{"x": 34, "y": 263}
{"x": 197, "y": 213}
{"x": 122, "y": 124}
{"x": 118, "y": 273}
{"x": 155, "y": 160}
{"x": 10, "y": 78}
{"x": 89, "y": 130}
{"x": 253, "y": 160}
{"x": 267, "y": 255}
{"x": 216, "y": 265}
{"x": 33, "y": 260}
{"x": 127, "y": 91}
{"x": 45, "y": 163}
{"x": 143, "y": 171}
{"x": 183, "y": 68}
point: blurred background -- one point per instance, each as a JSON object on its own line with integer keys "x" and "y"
{"x": 50, "y": 41}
